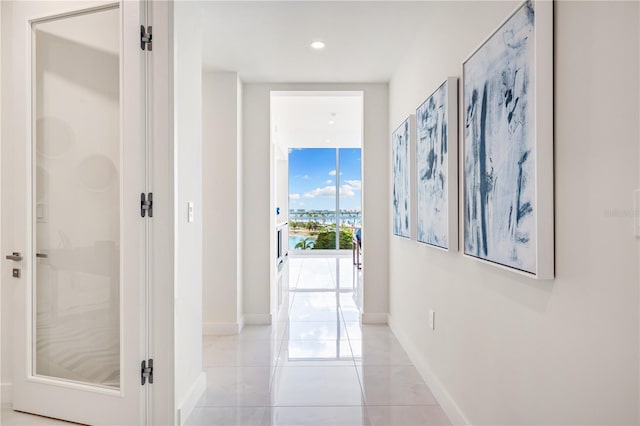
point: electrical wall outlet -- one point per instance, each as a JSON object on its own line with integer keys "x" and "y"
{"x": 432, "y": 319}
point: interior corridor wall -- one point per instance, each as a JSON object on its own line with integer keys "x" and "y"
{"x": 508, "y": 349}
{"x": 259, "y": 209}
{"x": 190, "y": 380}
{"x": 221, "y": 173}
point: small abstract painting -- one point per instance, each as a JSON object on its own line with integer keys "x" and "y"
{"x": 400, "y": 158}
{"x": 499, "y": 146}
{"x": 432, "y": 158}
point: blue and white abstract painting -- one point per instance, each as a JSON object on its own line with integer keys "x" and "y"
{"x": 499, "y": 142}
{"x": 432, "y": 169}
{"x": 400, "y": 159}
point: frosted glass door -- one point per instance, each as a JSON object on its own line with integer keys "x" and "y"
{"x": 80, "y": 314}
{"x": 76, "y": 198}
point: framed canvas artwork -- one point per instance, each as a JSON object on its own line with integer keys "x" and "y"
{"x": 400, "y": 147}
{"x": 437, "y": 167}
{"x": 508, "y": 144}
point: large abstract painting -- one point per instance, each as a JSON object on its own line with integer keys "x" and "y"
{"x": 400, "y": 141}
{"x": 500, "y": 198}
{"x": 436, "y": 158}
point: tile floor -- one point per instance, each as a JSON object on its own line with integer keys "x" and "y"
{"x": 315, "y": 366}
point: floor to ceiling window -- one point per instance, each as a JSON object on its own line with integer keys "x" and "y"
{"x": 324, "y": 196}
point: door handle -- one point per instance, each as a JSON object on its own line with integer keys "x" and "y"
{"x": 15, "y": 256}
{"x": 42, "y": 255}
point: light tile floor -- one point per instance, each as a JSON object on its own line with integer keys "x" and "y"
{"x": 317, "y": 365}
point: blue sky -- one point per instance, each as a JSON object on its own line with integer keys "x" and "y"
{"x": 312, "y": 178}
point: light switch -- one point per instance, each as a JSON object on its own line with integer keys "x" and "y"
{"x": 190, "y": 214}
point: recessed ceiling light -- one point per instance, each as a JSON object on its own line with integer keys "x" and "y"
{"x": 332, "y": 122}
{"x": 318, "y": 45}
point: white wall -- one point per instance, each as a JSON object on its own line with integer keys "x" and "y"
{"x": 508, "y": 349}
{"x": 222, "y": 197}
{"x": 189, "y": 377}
{"x": 259, "y": 208}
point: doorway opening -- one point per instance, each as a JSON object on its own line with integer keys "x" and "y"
{"x": 317, "y": 180}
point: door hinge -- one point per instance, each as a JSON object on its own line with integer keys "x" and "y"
{"x": 146, "y": 38}
{"x": 146, "y": 204}
{"x": 146, "y": 372}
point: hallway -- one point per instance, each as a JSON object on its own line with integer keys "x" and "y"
{"x": 316, "y": 365}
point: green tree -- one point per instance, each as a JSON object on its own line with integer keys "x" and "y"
{"x": 327, "y": 240}
{"x": 305, "y": 244}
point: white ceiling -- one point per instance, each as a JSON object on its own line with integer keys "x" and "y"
{"x": 316, "y": 120}
{"x": 267, "y": 41}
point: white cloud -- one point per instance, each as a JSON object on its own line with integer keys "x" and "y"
{"x": 332, "y": 173}
{"x": 294, "y": 196}
{"x": 327, "y": 191}
{"x": 305, "y": 177}
{"x": 329, "y": 182}
{"x": 355, "y": 184}
{"x": 347, "y": 190}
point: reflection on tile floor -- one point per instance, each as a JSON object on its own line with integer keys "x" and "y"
{"x": 317, "y": 365}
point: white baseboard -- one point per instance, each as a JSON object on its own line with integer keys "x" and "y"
{"x": 369, "y": 318}
{"x": 257, "y": 319}
{"x": 6, "y": 393}
{"x": 443, "y": 397}
{"x": 221, "y": 328}
{"x": 189, "y": 402}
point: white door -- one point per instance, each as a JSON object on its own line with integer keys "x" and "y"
{"x": 79, "y": 307}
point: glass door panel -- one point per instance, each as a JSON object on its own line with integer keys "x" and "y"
{"x": 77, "y": 208}
{"x": 312, "y": 198}
{"x": 350, "y": 195}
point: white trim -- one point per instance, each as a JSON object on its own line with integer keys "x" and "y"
{"x": 221, "y": 328}
{"x": 335, "y": 93}
{"x": 162, "y": 401}
{"x": 446, "y": 401}
{"x": 374, "y": 318}
{"x": 257, "y": 319}
{"x": 189, "y": 402}
{"x": 72, "y": 11}
{"x": 6, "y": 393}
